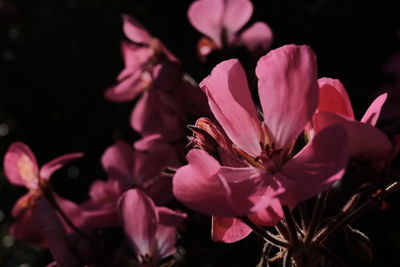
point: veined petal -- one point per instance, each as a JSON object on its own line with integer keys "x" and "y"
{"x": 236, "y": 14}
{"x": 135, "y": 31}
{"x": 364, "y": 139}
{"x": 333, "y": 98}
{"x": 47, "y": 169}
{"x": 231, "y": 103}
{"x": 371, "y": 116}
{"x": 228, "y": 229}
{"x": 206, "y": 16}
{"x": 20, "y": 166}
{"x": 288, "y": 91}
{"x": 316, "y": 167}
{"x": 166, "y": 230}
{"x": 258, "y": 37}
{"x": 139, "y": 220}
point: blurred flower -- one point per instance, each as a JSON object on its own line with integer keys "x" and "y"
{"x": 166, "y": 93}
{"x": 269, "y": 175}
{"x": 130, "y": 168}
{"x": 21, "y": 169}
{"x": 222, "y": 20}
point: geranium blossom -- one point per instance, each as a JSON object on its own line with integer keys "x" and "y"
{"x": 151, "y": 230}
{"x": 222, "y": 21}
{"x": 129, "y": 168}
{"x": 21, "y": 169}
{"x": 152, "y": 73}
{"x": 270, "y": 175}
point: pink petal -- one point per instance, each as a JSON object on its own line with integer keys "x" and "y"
{"x": 258, "y": 37}
{"x": 288, "y": 91}
{"x": 205, "y": 186}
{"x": 268, "y": 211}
{"x": 166, "y": 230}
{"x": 197, "y": 185}
{"x": 25, "y": 214}
{"x": 134, "y": 58}
{"x": 135, "y": 31}
{"x": 101, "y": 211}
{"x": 118, "y": 161}
{"x": 333, "y": 98}
{"x": 231, "y": 103}
{"x": 156, "y": 112}
{"x": 364, "y": 139}
{"x": 236, "y": 14}
{"x": 59, "y": 243}
{"x": 228, "y": 229}
{"x": 316, "y": 167}
{"x": 139, "y": 220}
{"x": 206, "y": 16}
{"x": 20, "y": 166}
{"x": 50, "y": 167}
{"x": 126, "y": 89}
{"x": 150, "y": 162}
{"x": 72, "y": 210}
{"x": 371, "y": 116}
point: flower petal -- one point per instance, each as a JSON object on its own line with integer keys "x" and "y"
{"x": 127, "y": 89}
{"x": 316, "y": 167}
{"x": 135, "y": 31}
{"x": 228, "y": 229}
{"x": 364, "y": 139}
{"x": 268, "y": 212}
{"x": 59, "y": 244}
{"x": 197, "y": 185}
{"x": 206, "y": 16}
{"x": 25, "y": 214}
{"x": 258, "y": 37}
{"x": 288, "y": 91}
{"x": 205, "y": 186}
{"x": 20, "y": 166}
{"x": 139, "y": 220}
{"x": 236, "y": 14}
{"x": 166, "y": 230}
{"x": 101, "y": 211}
{"x": 371, "y": 116}
{"x": 156, "y": 113}
{"x": 231, "y": 103}
{"x": 118, "y": 161}
{"x": 50, "y": 167}
{"x": 333, "y": 98}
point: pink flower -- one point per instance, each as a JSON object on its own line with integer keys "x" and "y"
{"x": 365, "y": 141}
{"x": 21, "y": 169}
{"x": 222, "y": 21}
{"x": 129, "y": 168}
{"x": 271, "y": 174}
{"x": 154, "y": 74}
{"x": 150, "y": 229}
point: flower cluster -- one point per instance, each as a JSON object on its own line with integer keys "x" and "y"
{"x": 251, "y": 162}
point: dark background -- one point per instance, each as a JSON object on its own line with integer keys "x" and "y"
{"x": 58, "y": 57}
